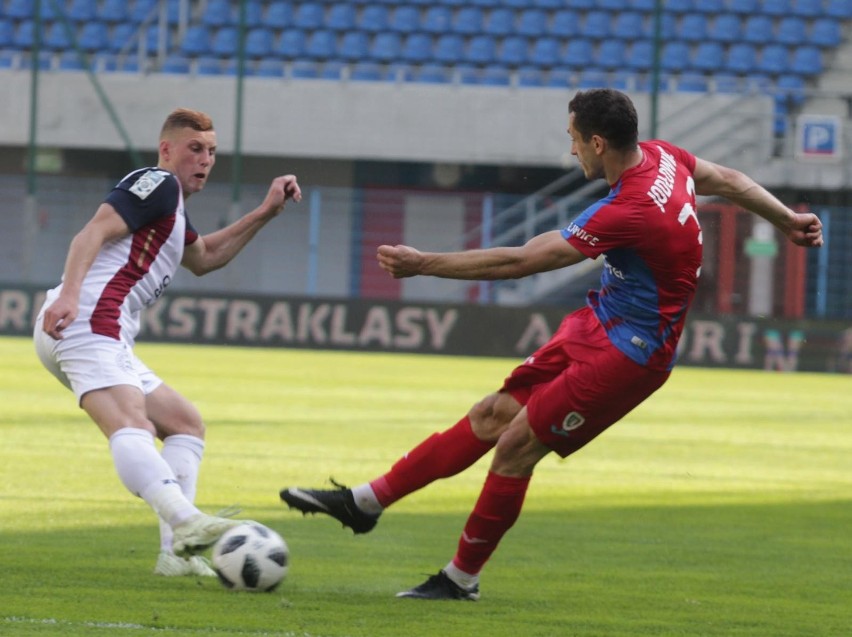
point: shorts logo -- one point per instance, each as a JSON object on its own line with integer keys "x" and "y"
{"x": 571, "y": 422}
{"x": 147, "y": 183}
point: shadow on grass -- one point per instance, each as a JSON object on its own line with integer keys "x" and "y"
{"x": 768, "y": 570}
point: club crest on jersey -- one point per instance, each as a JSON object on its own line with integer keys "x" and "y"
{"x": 148, "y": 183}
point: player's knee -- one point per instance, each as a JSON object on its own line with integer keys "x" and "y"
{"x": 491, "y": 416}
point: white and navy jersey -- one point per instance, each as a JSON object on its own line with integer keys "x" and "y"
{"x": 131, "y": 273}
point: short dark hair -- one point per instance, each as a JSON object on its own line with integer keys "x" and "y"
{"x": 186, "y": 118}
{"x": 608, "y": 113}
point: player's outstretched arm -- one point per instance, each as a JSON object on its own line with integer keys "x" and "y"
{"x": 547, "y": 251}
{"x": 802, "y": 228}
{"x": 215, "y": 250}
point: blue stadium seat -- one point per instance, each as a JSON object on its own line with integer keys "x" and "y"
{"x": 583, "y": 5}
{"x": 7, "y": 34}
{"x": 692, "y": 83}
{"x": 93, "y": 36}
{"x": 744, "y": 7}
{"x": 405, "y": 19}
{"x": 640, "y": 55}
{"x": 332, "y": 70}
{"x": 807, "y": 8}
{"x": 792, "y": 89}
{"x": 838, "y": 9}
{"x": 449, "y": 48}
{"x": 741, "y": 58}
{"x": 386, "y": 46}
{"x": 678, "y": 6}
{"x": 353, "y": 46}
{"x": 485, "y": 4}
{"x": 592, "y": 78}
{"x": 309, "y": 15}
{"x": 468, "y": 20}
{"x": 758, "y": 29}
{"x": 291, "y": 44}
{"x": 646, "y": 6}
{"x": 417, "y": 48}
{"x": 712, "y": 7}
{"x": 321, "y": 44}
{"x": 224, "y": 42}
{"x": 565, "y": 23}
{"x": 122, "y": 35}
{"x": 113, "y": 11}
{"x": 530, "y": 76}
{"x": 254, "y": 17}
{"x": 806, "y": 61}
{"x": 432, "y": 74}
{"x": 610, "y": 54}
{"x": 513, "y": 51}
{"x": 81, "y": 10}
{"x": 596, "y": 25}
{"x": 791, "y": 30}
{"x": 269, "y": 67}
{"x": 44, "y": 61}
{"x": 367, "y": 72}
{"x": 629, "y": 25}
{"x": 437, "y": 20}
{"x": 495, "y": 76}
{"x": 693, "y": 27}
{"x": 20, "y": 9}
{"x": 825, "y": 33}
{"x": 481, "y": 49}
{"x": 219, "y": 13}
{"x": 532, "y": 23}
{"x": 726, "y": 28}
{"x": 545, "y": 52}
{"x": 70, "y": 61}
{"x": 708, "y": 56}
{"x": 727, "y": 83}
{"x": 466, "y": 74}
{"x": 668, "y": 26}
{"x": 548, "y": 4}
{"x": 279, "y": 15}
{"x": 560, "y": 78}
{"x": 616, "y": 6}
{"x": 645, "y": 81}
{"x": 774, "y": 59}
{"x": 55, "y": 37}
{"x": 196, "y": 41}
{"x": 776, "y": 8}
{"x": 140, "y": 10}
{"x": 578, "y": 53}
{"x": 674, "y": 56}
{"x": 305, "y": 69}
{"x": 175, "y": 64}
{"x": 259, "y": 41}
{"x": 341, "y": 17}
{"x": 500, "y": 22}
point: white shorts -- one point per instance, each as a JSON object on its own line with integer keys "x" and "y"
{"x": 87, "y": 362}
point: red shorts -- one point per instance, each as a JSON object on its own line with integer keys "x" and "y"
{"x": 578, "y": 384}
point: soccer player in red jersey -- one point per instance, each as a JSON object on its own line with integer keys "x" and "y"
{"x": 603, "y": 361}
{"x": 117, "y": 265}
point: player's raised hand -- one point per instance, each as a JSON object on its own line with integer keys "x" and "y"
{"x": 281, "y": 190}
{"x": 806, "y": 230}
{"x": 58, "y": 316}
{"x": 399, "y": 261}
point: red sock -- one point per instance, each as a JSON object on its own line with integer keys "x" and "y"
{"x": 498, "y": 507}
{"x": 441, "y": 455}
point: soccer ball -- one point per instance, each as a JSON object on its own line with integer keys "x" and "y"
{"x": 251, "y": 557}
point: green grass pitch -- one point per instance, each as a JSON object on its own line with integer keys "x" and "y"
{"x": 719, "y": 508}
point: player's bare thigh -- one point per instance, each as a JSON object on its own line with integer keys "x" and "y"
{"x": 491, "y": 416}
{"x": 117, "y": 407}
{"x": 172, "y": 414}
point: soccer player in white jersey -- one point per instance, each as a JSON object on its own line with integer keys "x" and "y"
{"x": 118, "y": 265}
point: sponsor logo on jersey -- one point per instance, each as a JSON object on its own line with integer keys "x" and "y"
{"x": 582, "y": 234}
{"x": 148, "y": 183}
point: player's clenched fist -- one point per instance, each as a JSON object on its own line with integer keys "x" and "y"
{"x": 400, "y": 261}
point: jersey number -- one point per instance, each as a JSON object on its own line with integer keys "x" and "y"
{"x": 688, "y": 211}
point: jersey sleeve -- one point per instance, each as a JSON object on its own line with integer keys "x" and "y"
{"x": 144, "y": 197}
{"x": 603, "y": 226}
{"x": 191, "y": 234}
{"x": 681, "y": 155}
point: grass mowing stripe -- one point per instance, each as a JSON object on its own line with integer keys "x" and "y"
{"x": 718, "y": 508}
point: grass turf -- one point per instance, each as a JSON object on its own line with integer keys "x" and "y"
{"x": 720, "y": 507}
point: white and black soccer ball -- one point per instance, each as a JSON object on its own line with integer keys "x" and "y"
{"x": 251, "y": 557}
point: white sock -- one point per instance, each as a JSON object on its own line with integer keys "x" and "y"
{"x": 365, "y": 499}
{"x": 465, "y": 580}
{"x": 183, "y": 454}
{"x": 145, "y": 474}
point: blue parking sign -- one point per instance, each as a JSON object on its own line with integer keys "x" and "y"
{"x": 818, "y": 136}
